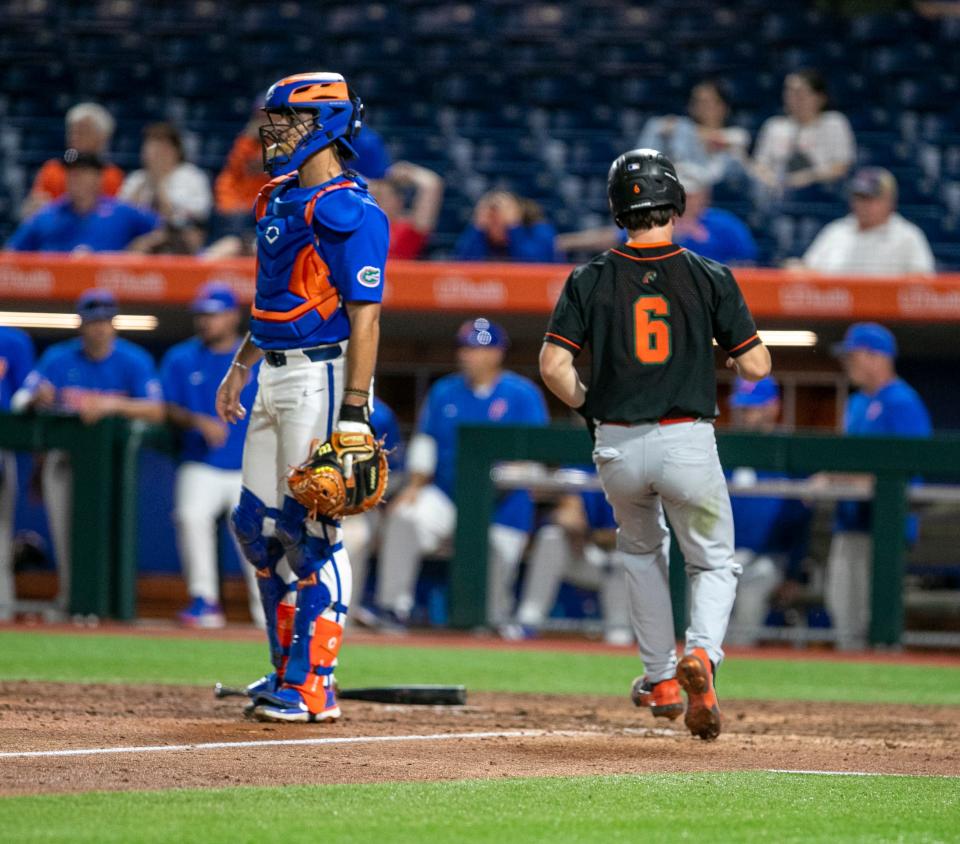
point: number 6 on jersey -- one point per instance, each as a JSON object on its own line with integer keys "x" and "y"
{"x": 651, "y": 335}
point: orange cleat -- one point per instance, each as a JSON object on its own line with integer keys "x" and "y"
{"x": 662, "y": 698}
{"x": 695, "y": 674}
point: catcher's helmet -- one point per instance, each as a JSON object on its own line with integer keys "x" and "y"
{"x": 319, "y": 109}
{"x": 643, "y": 178}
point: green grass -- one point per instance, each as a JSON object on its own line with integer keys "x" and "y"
{"x": 674, "y": 807}
{"x": 139, "y": 659}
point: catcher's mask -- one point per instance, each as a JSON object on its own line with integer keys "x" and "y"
{"x": 307, "y": 113}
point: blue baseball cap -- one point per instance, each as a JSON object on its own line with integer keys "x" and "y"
{"x": 754, "y": 393}
{"x": 97, "y": 304}
{"x": 481, "y": 333}
{"x": 868, "y": 336}
{"x": 214, "y": 298}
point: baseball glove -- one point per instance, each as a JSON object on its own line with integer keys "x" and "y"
{"x": 345, "y": 475}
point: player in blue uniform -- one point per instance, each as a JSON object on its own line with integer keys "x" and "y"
{"x": 770, "y": 534}
{"x": 577, "y": 545}
{"x": 16, "y": 360}
{"x": 422, "y": 517}
{"x": 884, "y": 406}
{"x": 208, "y": 477}
{"x": 361, "y": 533}
{"x": 321, "y": 251}
{"x": 93, "y": 376}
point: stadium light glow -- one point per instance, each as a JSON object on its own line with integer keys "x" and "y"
{"x": 36, "y": 319}
{"x": 788, "y": 338}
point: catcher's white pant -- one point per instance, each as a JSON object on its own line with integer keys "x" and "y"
{"x": 847, "y": 587}
{"x": 553, "y": 560}
{"x": 645, "y": 469}
{"x": 295, "y": 403}
{"x": 56, "y": 480}
{"x": 8, "y": 500}
{"x": 202, "y": 494}
{"x": 762, "y": 574}
{"x": 424, "y": 526}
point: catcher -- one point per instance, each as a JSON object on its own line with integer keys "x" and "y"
{"x": 321, "y": 250}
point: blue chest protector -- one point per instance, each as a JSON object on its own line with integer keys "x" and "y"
{"x": 297, "y": 303}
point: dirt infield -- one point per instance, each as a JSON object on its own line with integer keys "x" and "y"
{"x": 583, "y": 735}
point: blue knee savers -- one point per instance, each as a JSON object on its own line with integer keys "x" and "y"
{"x": 247, "y": 521}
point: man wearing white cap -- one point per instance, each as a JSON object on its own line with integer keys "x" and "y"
{"x": 208, "y": 479}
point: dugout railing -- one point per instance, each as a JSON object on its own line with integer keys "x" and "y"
{"x": 892, "y": 461}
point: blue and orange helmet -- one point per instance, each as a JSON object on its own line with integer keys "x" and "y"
{"x": 307, "y": 113}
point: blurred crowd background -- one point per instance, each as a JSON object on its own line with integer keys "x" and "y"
{"x": 812, "y": 136}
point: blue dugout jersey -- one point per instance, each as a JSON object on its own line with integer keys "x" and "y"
{"x": 893, "y": 411}
{"x": 128, "y": 371}
{"x": 451, "y": 402}
{"x": 384, "y": 422}
{"x": 190, "y": 374}
{"x": 16, "y": 361}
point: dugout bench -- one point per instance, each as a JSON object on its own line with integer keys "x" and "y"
{"x": 893, "y": 461}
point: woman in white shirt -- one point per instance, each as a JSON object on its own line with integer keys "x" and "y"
{"x": 807, "y": 146}
{"x": 173, "y": 187}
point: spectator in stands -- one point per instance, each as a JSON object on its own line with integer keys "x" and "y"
{"x": 83, "y": 220}
{"x": 873, "y": 239}
{"x": 703, "y": 138}
{"x": 173, "y": 188}
{"x": 91, "y": 376}
{"x": 208, "y": 478}
{"x": 409, "y": 230}
{"x": 89, "y": 129}
{"x": 771, "y": 534}
{"x": 373, "y": 159}
{"x": 238, "y": 183}
{"x": 506, "y": 228}
{"x": 577, "y": 545}
{"x": 16, "y": 361}
{"x": 808, "y": 146}
{"x": 712, "y": 232}
{"x": 885, "y": 405}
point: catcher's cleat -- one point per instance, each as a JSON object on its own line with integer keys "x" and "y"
{"x": 287, "y": 704}
{"x": 203, "y": 614}
{"x": 695, "y": 673}
{"x": 268, "y": 683}
{"x": 663, "y": 698}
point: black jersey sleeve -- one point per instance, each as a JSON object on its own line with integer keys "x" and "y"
{"x": 568, "y": 324}
{"x": 733, "y": 325}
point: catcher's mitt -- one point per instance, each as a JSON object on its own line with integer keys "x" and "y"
{"x": 344, "y": 475}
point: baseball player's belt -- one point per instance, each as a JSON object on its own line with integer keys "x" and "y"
{"x": 667, "y": 420}
{"x": 317, "y": 353}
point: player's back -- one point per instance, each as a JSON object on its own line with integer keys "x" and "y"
{"x": 649, "y": 315}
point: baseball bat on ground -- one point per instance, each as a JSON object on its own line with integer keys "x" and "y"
{"x": 417, "y": 695}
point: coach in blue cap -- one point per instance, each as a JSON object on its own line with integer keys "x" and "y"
{"x": 208, "y": 478}
{"x": 422, "y": 517}
{"x": 884, "y": 405}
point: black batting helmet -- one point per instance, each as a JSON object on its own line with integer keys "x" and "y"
{"x": 644, "y": 178}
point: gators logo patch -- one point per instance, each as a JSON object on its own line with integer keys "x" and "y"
{"x": 369, "y": 276}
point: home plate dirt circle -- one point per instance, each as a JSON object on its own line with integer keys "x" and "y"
{"x": 495, "y": 735}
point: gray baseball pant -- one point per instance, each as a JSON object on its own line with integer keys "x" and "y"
{"x": 646, "y": 469}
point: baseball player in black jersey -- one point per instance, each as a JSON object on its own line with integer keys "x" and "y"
{"x": 649, "y": 313}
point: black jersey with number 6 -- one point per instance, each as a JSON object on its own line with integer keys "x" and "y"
{"x": 649, "y": 315}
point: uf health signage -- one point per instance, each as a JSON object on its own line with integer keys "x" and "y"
{"x": 492, "y": 287}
